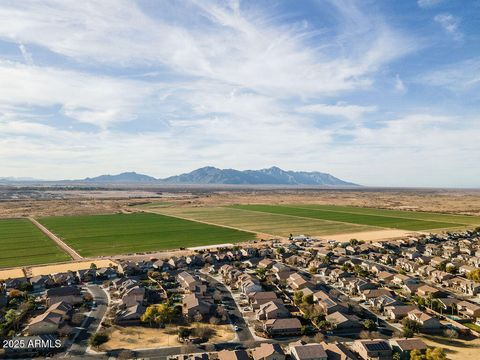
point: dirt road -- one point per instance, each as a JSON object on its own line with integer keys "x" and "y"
{"x": 73, "y": 254}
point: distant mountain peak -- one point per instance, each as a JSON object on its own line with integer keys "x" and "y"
{"x": 268, "y": 176}
{"x": 125, "y": 177}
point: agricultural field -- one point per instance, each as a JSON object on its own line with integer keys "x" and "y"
{"x": 96, "y": 235}
{"x": 319, "y": 220}
{"x": 262, "y": 222}
{"x": 393, "y": 219}
{"x": 23, "y": 244}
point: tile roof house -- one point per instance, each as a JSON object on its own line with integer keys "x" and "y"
{"x": 426, "y": 321}
{"x": 282, "y": 327}
{"x": 50, "y": 321}
{"x": 130, "y": 315}
{"x": 301, "y": 351}
{"x": 405, "y": 346}
{"x": 377, "y": 349}
{"x": 192, "y": 305}
{"x": 468, "y": 309}
{"x": 188, "y": 281}
{"x": 344, "y": 322}
{"x": 398, "y": 312}
{"x": 274, "y": 309}
{"x": 268, "y": 352}
{"x": 338, "y": 351}
{"x": 297, "y": 282}
{"x": 232, "y": 355}
{"x": 69, "y": 294}
{"x": 260, "y": 297}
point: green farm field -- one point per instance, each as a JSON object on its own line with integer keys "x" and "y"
{"x": 97, "y": 235}
{"x": 263, "y": 222}
{"x": 23, "y": 244}
{"x": 393, "y": 219}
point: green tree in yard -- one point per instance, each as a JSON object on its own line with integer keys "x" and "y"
{"x": 159, "y": 314}
{"x": 307, "y": 299}
{"x": 416, "y": 355}
{"x": 369, "y": 325}
{"x": 261, "y": 272}
{"x": 297, "y": 297}
{"x": 280, "y": 250}
{"x": 410, "y": 327}
{"x": 98, "y": 339}
{"x": 474, "y": 275}
{"x": 13, "y": 317}
{"x": 436, "y": 354}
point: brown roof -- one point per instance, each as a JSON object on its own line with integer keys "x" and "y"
{"x": 338, "y": 351}
{"x": 409, "y": 344}
{"x": 232, "y": 355}
{"x": 265, "y": 350}
{"x": 289, "y": 323}
{"x": 309, "y": 351}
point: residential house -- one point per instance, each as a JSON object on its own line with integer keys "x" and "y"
{"x": 268, "y": 352}
{"x": 130, "y": 315}
{"x": 41, "y": 282}
{"x": 259, "y": 298}
{"x": 344, "y": 322}
{"x": 398, "y": 312}
{"x": 297, "y": 282}
{"x": 193, "y": 305}
{"x": 274, "y": 309}
{"x": 232, "y": 355}
{"x": 69, "y": 294}
{"x": 302, "y": 351}
{"x": 50, "y": 321}
{"x": 376, "y": 349}
{"x": 282, "y": 327}
{"x": 405, "y": 346}
{"x": 338, "y": 351}
{"x": 468, "y": 309}
{"x": 427, "y": 322}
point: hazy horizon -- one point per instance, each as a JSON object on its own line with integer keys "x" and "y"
{"x": 372, "y": 92}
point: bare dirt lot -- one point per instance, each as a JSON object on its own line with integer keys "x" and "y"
{"x": 456, "y": 349}
{"x": 371, "y": 235}
{"x": 137, "y": 337}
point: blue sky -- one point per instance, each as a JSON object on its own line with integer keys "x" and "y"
{"x": 382, "y": 93}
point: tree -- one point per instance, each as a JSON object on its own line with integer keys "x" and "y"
{"x": 14, "y": 293}
{"x": 369, "y": 325}
{"x": 436, "y": 354}
{"x": 410, "y": 327}
{"x": 326, "y": 325}
{"x": 280, "y": 250}
{"x": 297, "y": 297}
{"x": 396, "y": 356}
{"x": 261, "y": 272}
{"x": 159, "y": 314}
{"x": 13, "y": 317}
{"x": 451, "y": 269}
{"x": 184, "y": 333}
{"x": 98, "y": 339}
{"x": 416, "y": 355}
{"x": 307, "y": 299}
{"x": 474, "y": 275}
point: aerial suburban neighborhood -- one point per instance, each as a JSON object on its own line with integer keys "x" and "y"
{"x": 300, "y": 298}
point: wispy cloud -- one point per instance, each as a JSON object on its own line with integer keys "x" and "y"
{"x": 429, "y": 3}
{"x": 450, "y": 25}
{"x": 399, "y": 85}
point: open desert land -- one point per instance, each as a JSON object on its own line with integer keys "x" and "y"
{"x": 100, "y": 235}
{"x": 23, "y": 244}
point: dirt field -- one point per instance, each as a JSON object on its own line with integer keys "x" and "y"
{"x": 136, "y": 337}
{"x": 73, "y": 266}
{"x": 456, "y": 349}
{"x": 97, "y": 202}
{"x": 11, "y": 274}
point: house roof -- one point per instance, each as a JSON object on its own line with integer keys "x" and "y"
{"x": 63, "y": 291}
{"x": 265, "y": 350}
{"x": 409, "y": 344}
{"x": 288, "y": 323}
{"x": 232, "y": 355}
{"x": 309, "y": 351}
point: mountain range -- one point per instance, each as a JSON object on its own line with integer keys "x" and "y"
{"x": 213, "y": 175}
